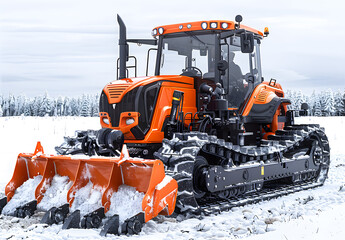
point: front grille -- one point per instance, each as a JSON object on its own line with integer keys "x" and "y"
{"x": 116, "y": 90}
{"x": 141, "y": 99}
{"x": 114, "y": 111}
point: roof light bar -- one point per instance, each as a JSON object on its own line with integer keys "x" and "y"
{"x": 204, "y": 25}
{"x": 225, "y": 25}
{"x": 213, "y": 25}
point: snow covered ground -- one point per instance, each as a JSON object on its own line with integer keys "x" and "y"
{"x": 313, "y": 214}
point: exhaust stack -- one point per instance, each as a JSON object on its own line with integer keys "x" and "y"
{"x": 123, "y": 48}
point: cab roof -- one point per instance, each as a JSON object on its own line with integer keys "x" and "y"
{"x": 200, "y": 26}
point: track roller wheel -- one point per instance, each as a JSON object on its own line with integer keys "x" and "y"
{"x": 228, "y": 193}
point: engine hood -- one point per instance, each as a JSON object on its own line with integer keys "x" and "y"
{"x": 117, "y": 89}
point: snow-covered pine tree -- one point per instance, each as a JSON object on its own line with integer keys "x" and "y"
{"x": 18, "y": 103}
{"x": 12, "y": 105}
{"x": 85, "y": 108}
{"x": 317, "y": 107}
{"x": 5, "y": 107}
{"x": 322, "y": 98}
{"x": 1, "y": 105}
{"x": 1, "y": 112}
{"x": 338, "y": 104}
{"x": 53, "y": 107}
{"x": 36, "y": 105}
{"x": 59, "y": 106}
{"x": 67, "y": 111}
{"x": 299, "y": 99}
{"x": 290, "y": 94}
{"x": 311, "y": 102}
{"x": 74, "y": 107}
{"x": 27, "y": 108}
{"x": 94, "y": 105}
{"x": 45, "y": 106}
{"x": 329, "y": 103}
{"x": 343, "y": 100}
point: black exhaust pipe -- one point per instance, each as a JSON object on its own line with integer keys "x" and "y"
{"x": 123, "y": 47}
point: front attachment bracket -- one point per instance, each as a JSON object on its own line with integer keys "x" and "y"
{"x": 3, "y": 202}
{"x": 134, "y": 224}
{"x": 93, "y": 219}
{"x": 27, "y": 210}
{"x": 111, "y": 226}
{"x": 56, "y": 215}
{"x": 72, "y": 221}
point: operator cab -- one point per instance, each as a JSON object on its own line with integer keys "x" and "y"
{"x": 214, "y": 51}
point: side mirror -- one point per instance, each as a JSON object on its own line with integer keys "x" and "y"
{"x": 247, "y": 42}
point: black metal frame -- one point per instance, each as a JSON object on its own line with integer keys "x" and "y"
{"x": 122, "y": 68}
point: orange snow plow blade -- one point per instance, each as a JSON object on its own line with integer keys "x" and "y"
{"x": 105, "y": 173}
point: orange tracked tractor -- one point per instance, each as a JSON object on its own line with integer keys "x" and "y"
{"x": 224, "y": 135}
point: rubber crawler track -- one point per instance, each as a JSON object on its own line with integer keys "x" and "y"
{"x": 179, "y": 154}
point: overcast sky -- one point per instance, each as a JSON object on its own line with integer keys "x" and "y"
{"x": 70, "y": 47}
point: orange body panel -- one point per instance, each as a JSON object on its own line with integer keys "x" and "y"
{"x": 263, "y": 94}
{"x": 105, "y": 173}
{"x": 196, "y": 26}
{"x": 163, "y": 104}
{"x": 117, "y": 89}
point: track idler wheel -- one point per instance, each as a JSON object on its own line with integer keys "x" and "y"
{"x": 199, "y": 177}
{"x": 26, "y": 210}
{"x": 321, "y": 155}
{"x": 317, "y": 153}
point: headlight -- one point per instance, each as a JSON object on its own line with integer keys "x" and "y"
{"x": 105, "y": 120}
{"x": 154, "y": 32}
{"x": 160, "y": 30}
{"x": 224, "y": 25}
{"x": 180, "y": 27}
{"x": 204, "y": 25}
{"x": 213, "y": 25}
{"x": 129, "y": 121}
{"x": 189, "y": 25}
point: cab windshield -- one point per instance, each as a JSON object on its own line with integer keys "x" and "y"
{"x": 188, "y": 53}
{"x": 198, "y": 55}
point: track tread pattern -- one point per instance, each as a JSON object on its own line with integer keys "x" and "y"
{"x": 179, "y": 153}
